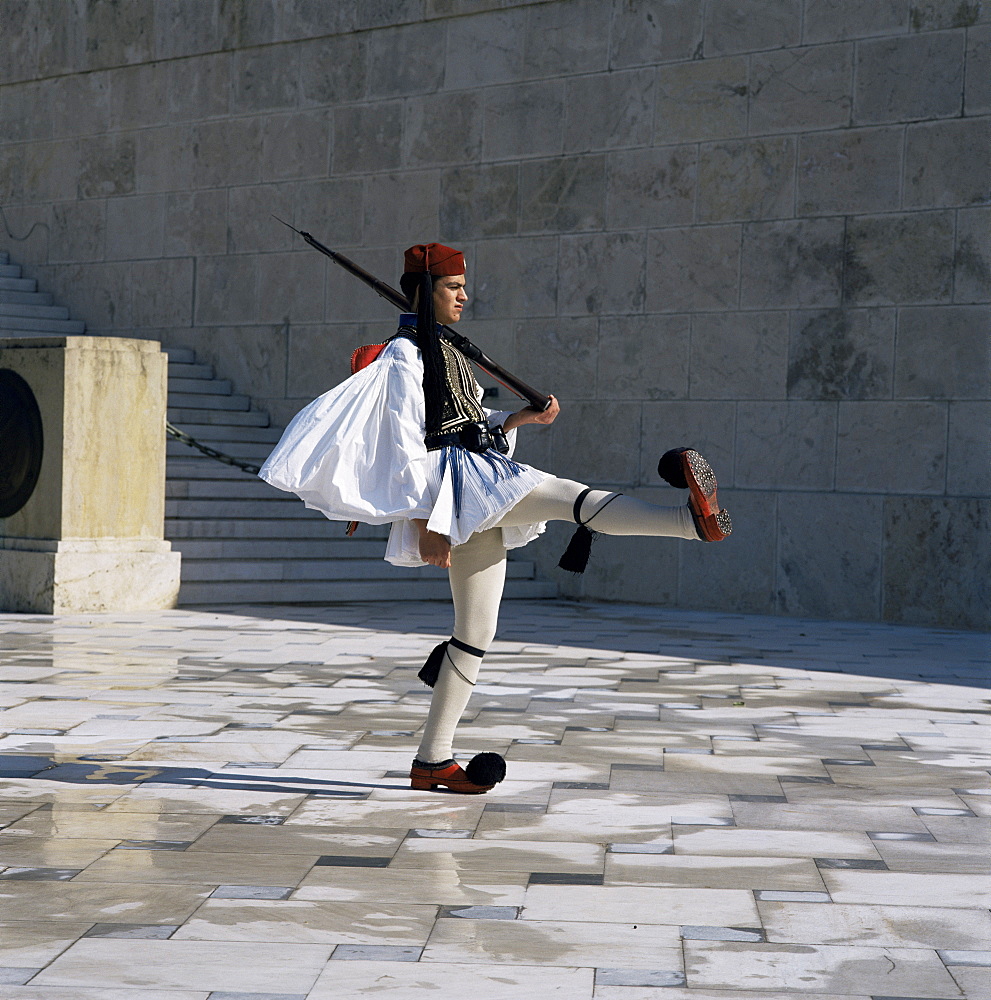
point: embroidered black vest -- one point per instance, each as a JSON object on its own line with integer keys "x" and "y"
{"x": 461, "y": 391}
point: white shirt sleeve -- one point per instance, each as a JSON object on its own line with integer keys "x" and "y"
{"x": 357, "y": 452}
{"x": 497, "y": 418}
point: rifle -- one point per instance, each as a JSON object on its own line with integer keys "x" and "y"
{"x": 537, "y": 400}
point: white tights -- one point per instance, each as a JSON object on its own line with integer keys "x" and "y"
{"x": 478, "y": 573}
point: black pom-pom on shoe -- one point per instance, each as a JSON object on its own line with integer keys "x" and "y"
{"x": 486, "y": 769}
{"x": 671, "y": 468}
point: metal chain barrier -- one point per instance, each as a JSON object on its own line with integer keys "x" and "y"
{"x": 211, "y": 452}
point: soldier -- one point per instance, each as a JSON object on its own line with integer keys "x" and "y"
{"x": 406, "y": 441}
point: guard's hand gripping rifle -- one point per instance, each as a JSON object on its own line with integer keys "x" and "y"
{"x": 537, "y": 400}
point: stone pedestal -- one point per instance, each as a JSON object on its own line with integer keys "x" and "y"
{"x": 82, "y": 476}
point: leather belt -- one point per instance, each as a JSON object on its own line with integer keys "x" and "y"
{"x": 478, "y": 437}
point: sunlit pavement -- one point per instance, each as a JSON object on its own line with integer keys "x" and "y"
{"x": 200, "y": 804}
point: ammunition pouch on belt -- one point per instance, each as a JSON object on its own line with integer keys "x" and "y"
{"x": 478, "y": 436}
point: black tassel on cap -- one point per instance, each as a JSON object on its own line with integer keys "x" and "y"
{"x": 430, "y": 670}
{"x": 575, "y": 557}
{"x": 418, "y": 288}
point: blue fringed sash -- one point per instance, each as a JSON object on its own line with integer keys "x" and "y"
{"x": 456, "y": 458}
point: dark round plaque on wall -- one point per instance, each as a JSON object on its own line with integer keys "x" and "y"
{"x": 21, "y": 442}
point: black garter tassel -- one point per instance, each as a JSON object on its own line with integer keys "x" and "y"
{"x": 575, "y": 557}
{"x": 430, "y": 670}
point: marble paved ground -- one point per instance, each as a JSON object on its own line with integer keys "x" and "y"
{"x": 212, "y": 805}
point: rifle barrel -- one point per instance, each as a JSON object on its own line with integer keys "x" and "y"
{"x": 537, "y": 400}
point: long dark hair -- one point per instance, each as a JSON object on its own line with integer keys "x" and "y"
{"x": 419, "y": 287}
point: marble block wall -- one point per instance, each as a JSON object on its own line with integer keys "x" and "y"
{"x": 760, "y": 228}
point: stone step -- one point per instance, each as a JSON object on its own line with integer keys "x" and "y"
{"x": 189, "y": 369}
{"x": 200, "y": 467}
{"x": 313, "y": 525}
{"x": 337, "y": 547}
{"x": 182, "y": 451}
{"x": 40, "y": 327}
{"x": 320, "y": 592}
{"x": 181, "y": 355}
{"x": 277, "y": 505}
{"x": 246, "y": 451}
{"x": 10, "y": 270}
{"x": 218, "y": 434}
{"x": 9, "y": 297}
{"x": 18, "y": 284}
{"x": 247, "y": 487}
{"x": 320, "y": 570}
{"x": 34, "y": 311}
{"x": 241, "y": 451}
{"x": 194, "y": 400}
{"x": 200, "y": 386}
{"x": 242, "y": 418}
{"x": 298, "y": 570}
{"x": 4, "y": 256}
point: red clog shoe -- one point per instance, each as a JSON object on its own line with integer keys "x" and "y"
{"x": 687, "y": 465}
{"x": 484, "y": 772}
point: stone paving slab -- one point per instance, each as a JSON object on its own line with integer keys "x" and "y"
{"x": 212, "y": 805}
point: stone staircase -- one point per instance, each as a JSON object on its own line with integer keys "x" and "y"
{"x": 26, "y": 312}
{"x": 242, "y": 541}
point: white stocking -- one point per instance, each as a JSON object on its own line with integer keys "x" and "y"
{"x": 477, "y": 574}
{"x": 554, "y": 500}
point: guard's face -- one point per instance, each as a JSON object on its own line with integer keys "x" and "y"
{"x": 449, "y": 298}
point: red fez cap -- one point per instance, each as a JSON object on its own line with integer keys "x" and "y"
{"x": 434, "y": 258}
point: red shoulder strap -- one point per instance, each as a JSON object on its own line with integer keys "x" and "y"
{"x": 364, "y": 356}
